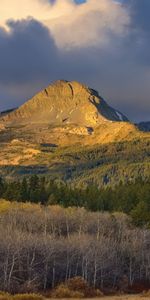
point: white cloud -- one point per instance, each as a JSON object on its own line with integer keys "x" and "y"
{"x": 92, "y": 23}
{"x": 16, "y": 10}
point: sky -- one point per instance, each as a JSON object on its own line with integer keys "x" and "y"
{"x": 102, "y": 43}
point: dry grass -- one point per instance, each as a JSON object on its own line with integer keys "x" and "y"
{"x": 16, "y": 151}
{"x": 122, "y": 297}
{"x": 5, "y": 296}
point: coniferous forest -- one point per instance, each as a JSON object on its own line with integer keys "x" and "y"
{"x": 131, "y": 198}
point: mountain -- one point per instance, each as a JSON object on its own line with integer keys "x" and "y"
{"x": 66, "y": 103}
{"x": 64, "y": 113}
{"x": 68, "y": 132}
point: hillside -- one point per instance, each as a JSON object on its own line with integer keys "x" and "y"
{"x": 68, "y": 132}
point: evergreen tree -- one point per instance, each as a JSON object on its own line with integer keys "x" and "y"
{"x": 43, "y": 197}
{"x": 12, "y": 191}
{"x": 34, "y": 189}
{"x": 2, "y": 187}
{"x": 24, "y": 193}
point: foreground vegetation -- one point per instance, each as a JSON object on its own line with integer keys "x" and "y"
{"x": 130, "y": 198}
{"x": 43, "y": 246}
{"x": 37, "y": 297}
{"x": 6, "y": 296}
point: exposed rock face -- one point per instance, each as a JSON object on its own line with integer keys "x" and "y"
{"x": 63, "y": 114}
{"x": 65, "y": 103}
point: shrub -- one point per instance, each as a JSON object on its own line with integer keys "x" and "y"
{"x": 77, "y": 284}
{"x": 63, "y": 291}
{"x": 146, "y": 294}
{"x": 75, "y": 287}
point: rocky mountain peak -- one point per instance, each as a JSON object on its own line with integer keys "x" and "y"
{"x": 66, "y": 102}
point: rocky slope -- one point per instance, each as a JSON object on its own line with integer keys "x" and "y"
{"x": 66, "y": 113}
{"x": 65, "y": 103}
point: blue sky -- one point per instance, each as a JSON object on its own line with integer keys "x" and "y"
{"x": 80, "y": 1}
{"x": 101, "y": 43}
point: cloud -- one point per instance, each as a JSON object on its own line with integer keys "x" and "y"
{"x": 25, "y": 51}
{"x": 90, "y": 24}
{"x": 93, "y": 23}
{"x": 17, "y": 10}
{"x": 140, "y": 13}
{"x": 140, "y": 28}
{"x": 28, "y": 60}
{"x": 100, "y": 42}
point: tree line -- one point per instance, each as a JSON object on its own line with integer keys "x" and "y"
{"x": 130, "y": 198}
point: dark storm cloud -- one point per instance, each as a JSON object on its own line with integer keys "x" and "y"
{"x": 139, "y": 37}
{"x": 30, "y": 60}
{"x": 140, "y": 13}
{"x": 25, "y": 52}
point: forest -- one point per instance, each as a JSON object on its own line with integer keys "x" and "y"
{"x": 51, "y": 232}
{"x": 43, "y": 246}
{"x": 130, "y": 198}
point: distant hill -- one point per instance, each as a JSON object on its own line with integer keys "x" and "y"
{"x": 144, "y": 126}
